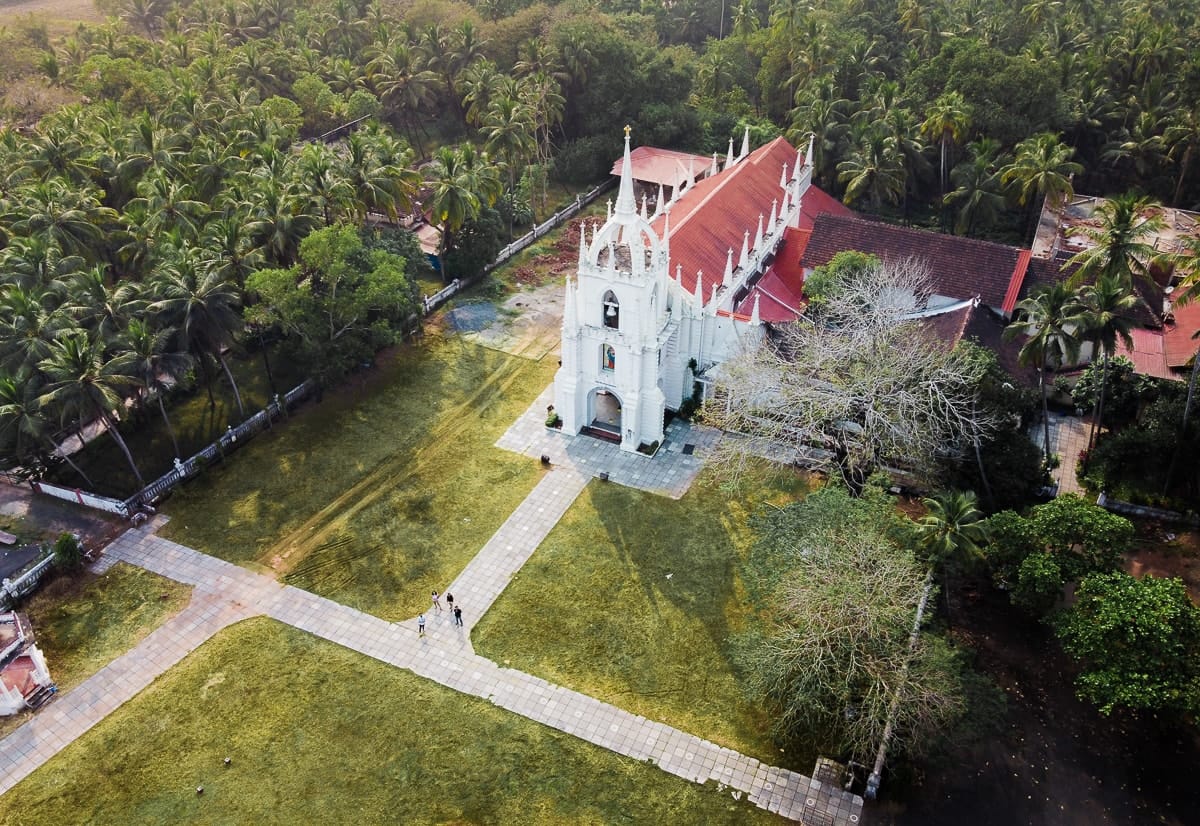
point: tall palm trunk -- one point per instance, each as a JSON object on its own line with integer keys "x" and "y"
{"x": 111, "y": 425}
{"x": 1187, "y": 411}
{"x": 167, "y": 421}
{"x": 1045, "y": 409}
{"x": 59, "y": 450}
{"x": 1098, "y": 422}
{"x": 237, "y": 395}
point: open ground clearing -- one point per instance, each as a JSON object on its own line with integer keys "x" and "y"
{"x": 315, "y": 731}
{"x": 645, "y": 617}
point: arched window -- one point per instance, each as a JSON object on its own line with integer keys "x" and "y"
{"x": 608, "y": 358}
{"x": 612, "y": 310}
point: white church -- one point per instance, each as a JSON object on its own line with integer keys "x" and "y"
{"x": 660, "y": 298}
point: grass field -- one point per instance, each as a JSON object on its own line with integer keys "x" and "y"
{"x": 83, "y": 622}
{"x": 632, "y": 598}
{"x": 381, "y": 493}
{"x": 320, "y": 734}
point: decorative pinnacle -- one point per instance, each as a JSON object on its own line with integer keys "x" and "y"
{"x": 627, "y": 130}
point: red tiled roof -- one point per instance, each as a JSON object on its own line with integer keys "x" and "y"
{"x": 817, "y": 202}
{"x": 1147, "y": 354}
{"x": 959, "y": 268}
{"x": 1179, "y": 346}
{"x": 780, "y": 291}
{"x": 711, "y": 218}
{"x": 663, "y": 166}
{"x": 949, "y": 327}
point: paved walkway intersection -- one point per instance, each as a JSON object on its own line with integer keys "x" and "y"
{"x": 225, "y": 593}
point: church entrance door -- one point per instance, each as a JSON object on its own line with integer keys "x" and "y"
{"x": 606, "y": 412}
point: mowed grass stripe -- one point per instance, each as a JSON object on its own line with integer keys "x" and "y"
{"x": 317, "y": 733}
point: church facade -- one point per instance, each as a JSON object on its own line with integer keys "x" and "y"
{"x": 658, "y": 299}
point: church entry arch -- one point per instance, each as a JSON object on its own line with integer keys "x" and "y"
{"x": 604, "y": 412}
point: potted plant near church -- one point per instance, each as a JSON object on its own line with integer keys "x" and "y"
{"x": 552, "y": 418}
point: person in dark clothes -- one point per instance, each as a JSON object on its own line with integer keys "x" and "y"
{"x": 458, "y": 616}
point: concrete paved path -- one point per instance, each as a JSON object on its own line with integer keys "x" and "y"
{"x": 71, "y": 715}
{"x": 225, "y": 593}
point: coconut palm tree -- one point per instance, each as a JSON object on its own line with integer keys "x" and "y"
{"x": 203, "y": 308}
{"x": 454, "y": 200}
{"x": 148, "y": 356}
{"x": 946, "y": 121}
{"x": 1106, "y": 309}
{"x": 873, "y": 170}
{"x": 82, "y": 382}
{"x": 508, "y": 130}
{"x": 952, "y": 529}
{"x": 1122, "y": 246}
{"x": 977, "y": 187}
{"x": 1049, "y": 319}
{"x": 22, "y": 421}
{"x": 1041, "y": 169}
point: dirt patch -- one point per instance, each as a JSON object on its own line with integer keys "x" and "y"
{"x": 1162, "y": 552}
{"x": 1053, "y": 759}
{"x": 38, "y": 518}
{"x": 60, "y": 11}
{"x": 528, "y": 323}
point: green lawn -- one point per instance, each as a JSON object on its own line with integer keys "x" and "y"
{"x": 383, "y": 491}
{"x": 632, "y": 599}
{"x": 83, "y": 622}
{"x": 320, "y": 734}
{"x": 196, "y": 423}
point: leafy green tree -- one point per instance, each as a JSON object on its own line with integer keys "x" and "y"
{"x": 476, "y": 245}
{"x": 1085, "y": 537}
{"x": 1039, "y": 584}
{"x": 1138, "y": 640}
{"x": 977, "y": 188}
{"x": 827, "y": 280}
{"x": 68, "y": 555}
{"x": 339, "y": 304}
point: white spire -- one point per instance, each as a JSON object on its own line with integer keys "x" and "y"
{"x": 774, "y": 214}
{"x": 644, "y": 213}
{"x": 714, "y": 169}
{"x": 744, "y": 260}
{"x": 582, "y": 249}
{"x": 745, "y": 144}
{"x": 713, "y": 300}
{"x": 700, "y": 287}
{"x": 609, "y": 205}
{"x": 626, "y": 205}
{"x": 801, "y": 158}
{"x": 730, "y": 160}
{"x": 783, "y": 179}
{"x": 660, "y": 204}
{"x": 729, "y": 268}
{"x": 679, "y": 273}
{"x": 754, "y": 317}
{"x": 758, "y": 236}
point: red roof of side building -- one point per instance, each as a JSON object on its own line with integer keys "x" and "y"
{"x": 1178, "y": 344}
{"x": 664, "y": 166}
{"x": 1147, "y": 355}
{"x": 780, "y": 291}
{"x": 959, "y": 268}
{"x": 713, "y": 216}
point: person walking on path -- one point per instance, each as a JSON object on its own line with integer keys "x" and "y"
{"x": 450, "y": 601}
{"x": 421, "y": 625}
{"x": 458, "y": 616}
{"x": 437, "y": 601}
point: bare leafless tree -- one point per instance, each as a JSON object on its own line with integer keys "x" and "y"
{"x": 862, "y": 383}
{"x": 841, "y": 655}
